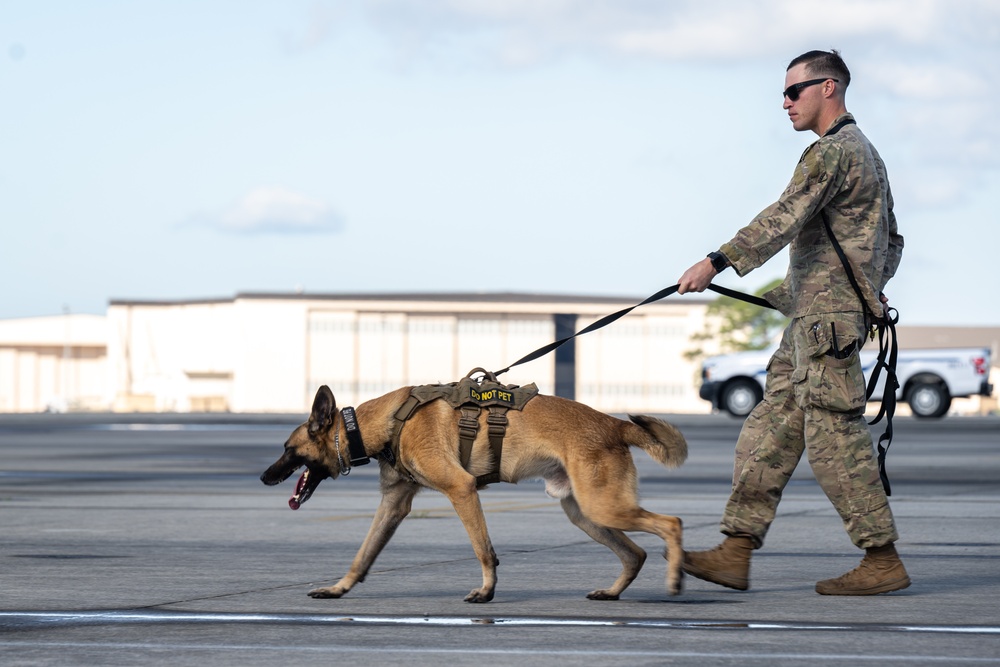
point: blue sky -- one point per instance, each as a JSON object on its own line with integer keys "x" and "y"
{"x": 175, "y": 150}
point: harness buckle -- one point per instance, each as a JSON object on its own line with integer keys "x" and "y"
{"x": 468, "y": 423}
{"x": 497, "y": 422}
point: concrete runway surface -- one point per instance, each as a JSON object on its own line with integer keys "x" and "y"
{"x": 149, "y": 540}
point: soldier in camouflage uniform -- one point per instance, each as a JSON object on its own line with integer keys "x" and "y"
{"x": 815, "y": 395}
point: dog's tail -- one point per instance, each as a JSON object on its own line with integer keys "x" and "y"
{"x": 662, "y": 441}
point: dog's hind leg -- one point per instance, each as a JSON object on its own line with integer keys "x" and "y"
{"x": 397, "y": 499}
{"x": 465, "y": 499}
{"x": 614, "y": 505}
{"x": 631, "y": 554}
{"x": 669, "y": 528}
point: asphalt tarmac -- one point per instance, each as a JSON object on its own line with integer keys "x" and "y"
{"x": 151, "y": 541}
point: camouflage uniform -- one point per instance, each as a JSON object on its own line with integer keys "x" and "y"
{"x": 814, "y": 401}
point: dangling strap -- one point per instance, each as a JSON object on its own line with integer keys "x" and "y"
{"x": 886, "y": 332}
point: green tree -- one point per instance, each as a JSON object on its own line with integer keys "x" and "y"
{"x": 738, "y": 325}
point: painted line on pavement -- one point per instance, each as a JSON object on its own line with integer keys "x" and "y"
{"x": 49, "y": 618}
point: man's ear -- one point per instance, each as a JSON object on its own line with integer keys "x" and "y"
{"x": 323, "y": 409}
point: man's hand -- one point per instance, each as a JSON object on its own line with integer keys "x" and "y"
{"x": 697, "y": 278}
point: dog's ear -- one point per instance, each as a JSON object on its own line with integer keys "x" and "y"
{"x": 324, "y": 407}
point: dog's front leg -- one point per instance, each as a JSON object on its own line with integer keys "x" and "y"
{"x": 397, "y": 499}
{"x": 465, "y": 499}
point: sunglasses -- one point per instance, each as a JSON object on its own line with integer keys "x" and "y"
{"x": 793, "y": 91}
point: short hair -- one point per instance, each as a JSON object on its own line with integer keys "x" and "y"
{"x": 828, "y": 63}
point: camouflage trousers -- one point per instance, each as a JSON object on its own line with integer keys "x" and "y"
{"x": 814, "y": 402}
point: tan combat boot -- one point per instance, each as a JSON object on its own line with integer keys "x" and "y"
{"x": 727, "y": 564}
{"x": 880, "y": 571}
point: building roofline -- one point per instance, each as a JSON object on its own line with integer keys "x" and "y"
{"x": 462, "y": 297}
{"x": 169, "y": 302}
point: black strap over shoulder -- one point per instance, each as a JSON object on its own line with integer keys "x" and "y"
{"x": 887, "y": 344}
{"x": 839, "y": 126}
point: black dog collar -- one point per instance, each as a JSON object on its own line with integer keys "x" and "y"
{"x": 354, "y": 443}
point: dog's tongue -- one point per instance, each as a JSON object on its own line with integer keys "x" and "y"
{"x": 294, "y": 501}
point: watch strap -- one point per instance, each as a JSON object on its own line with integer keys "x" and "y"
{"x": 719, "y": 261}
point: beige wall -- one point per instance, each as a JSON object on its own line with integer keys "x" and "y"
{"x": 55, "y": 363}
{"x": 169, "y": 357}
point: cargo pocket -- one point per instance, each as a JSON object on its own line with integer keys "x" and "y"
{"x": 827, "y": 348}
{"x": 837, "y": 384}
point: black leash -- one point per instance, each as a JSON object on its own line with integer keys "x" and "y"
{"x": 886, "y": 359}
{"x": 608, "y": 319}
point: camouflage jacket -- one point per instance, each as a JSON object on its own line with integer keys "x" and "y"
{"x": 841, "y": 177}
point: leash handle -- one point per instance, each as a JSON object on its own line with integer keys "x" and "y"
{"x": 608, "y": 319}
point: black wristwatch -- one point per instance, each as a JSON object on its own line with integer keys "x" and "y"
{"x": 719, "y": 261}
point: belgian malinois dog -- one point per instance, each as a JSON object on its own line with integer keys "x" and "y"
{"x": 582, "y": 454}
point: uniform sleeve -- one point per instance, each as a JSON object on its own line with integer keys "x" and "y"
{"x": 816, "y": 180}
{"x": 895, "y": 249}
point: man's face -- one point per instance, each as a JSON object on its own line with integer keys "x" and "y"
{"x": 805, "y": 111}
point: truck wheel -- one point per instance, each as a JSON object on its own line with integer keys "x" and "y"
{"x": 740, "y": 397}
{"x": 929, "y": 400}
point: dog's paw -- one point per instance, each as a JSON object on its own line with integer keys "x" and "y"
{"x": 479, "y": 596}
{"x": 601, "y": 595}
{"x": 327, "y": 593}
{"x": 676, "y": 588}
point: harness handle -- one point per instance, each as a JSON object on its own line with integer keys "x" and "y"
{"x": 492, "y": 377}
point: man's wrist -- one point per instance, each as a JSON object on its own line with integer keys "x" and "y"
{"x": 719, "y": 261}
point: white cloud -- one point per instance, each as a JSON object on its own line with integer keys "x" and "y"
{"x": 930, "y": 64}
{"x": 676, "y": 30}
{"x": 926, "y": 66}
{"x": 320, "y": 27}
{"x": 932, "y": 81}
{"x": 933, "y": 188}
{"x": 278, "y": 210}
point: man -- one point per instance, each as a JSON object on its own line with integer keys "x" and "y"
{"x": 815, "y": 395}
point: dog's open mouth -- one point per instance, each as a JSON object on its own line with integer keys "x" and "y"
{"x": 304, "y": 487}
{"x": 285, "y": 467}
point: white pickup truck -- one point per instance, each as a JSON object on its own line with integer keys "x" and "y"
{"x": 928, "y": 379}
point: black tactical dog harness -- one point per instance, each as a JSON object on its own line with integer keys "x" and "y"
{"x": 469, "y": 395}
